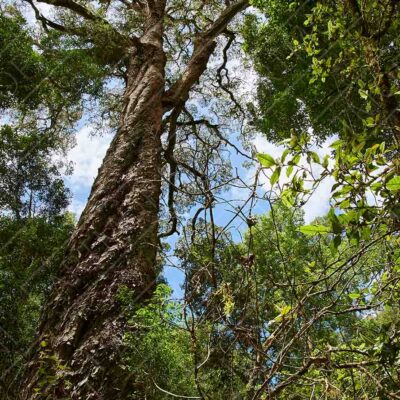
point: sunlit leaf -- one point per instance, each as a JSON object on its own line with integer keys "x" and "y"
{"x": 312, "y": 230}
{"x": 266, "y": 160}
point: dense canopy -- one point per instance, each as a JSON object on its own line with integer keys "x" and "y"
{"x": 241, "y": 237}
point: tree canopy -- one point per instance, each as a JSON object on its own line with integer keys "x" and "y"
{"x": 268, "y": 303}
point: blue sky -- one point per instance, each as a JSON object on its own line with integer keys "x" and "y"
{"x": 90, "y": 149}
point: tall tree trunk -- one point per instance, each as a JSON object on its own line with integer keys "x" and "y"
{"x": 114, "y": 245}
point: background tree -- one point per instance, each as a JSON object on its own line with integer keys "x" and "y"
{"x": 313, "y": 57}
{"x": 342, "y": 53}
{"x": 31, "y": 252}
{"x": 294, "y": 318}
{"x": 33, "y": 226}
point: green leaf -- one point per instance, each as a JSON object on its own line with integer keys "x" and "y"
{"x": 337, "y": 240}
{"x": 370, "y": 122}
{"x": 266, "y": 160}
{"x": 315, "y": 157}
{"x": 325, "y": 162}
{"x": 336, "y": 225}
{"x": 296, "y": 159}
{"x": 285, "y": 310}
{"x": 287, "y": 198}
{"x": 394, "y": 184}
{"x": 284, "y": 155}
{"x": 354, "y": 296}
{"x": 312, "y": 264}
{"x": 313, "y": 230}
{"x": 363, "y": 94}
{"x": 275, "y": 176}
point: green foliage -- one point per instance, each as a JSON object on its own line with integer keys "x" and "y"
{"x": 30, "y": 178}
{"x": 314, "y": 229}
{"x": 53, "y": 375}
{"x": 158, "y": 351}
{"x": 34, "y": 74}
{"x": 20, "y": 67}
{"x": 293, "y": 302}
{"x": 343, "y": 53}
{"x": 315, "y": 57}
{"x": 30, "y": 254}
{"x": 365, "y": 190}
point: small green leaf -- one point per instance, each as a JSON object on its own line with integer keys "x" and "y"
{"x": 313, "y": 230}
{"x": 336, "y": 225}
{"x": 296, "y": 159}
{"x": 394, "y": 184}
{"x": 266, "y": 160}
{"x": 337, "y": 144}
{"x": 275, "y": 176}
{"x": 284, "y": 155}
{"x": 337, "y": 240}
{"x": 370, "y": 122}
{"x": 287, "y": 198}
{"x": 285, "y": 310}
{"x": 354, "y": 296}
{"x": 363, "y": 94}
{"x": 325, "y": 162}
{"x": 315, "y": 157}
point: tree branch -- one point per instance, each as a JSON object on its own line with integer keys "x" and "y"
{"x": 169, "y": 157}
{"x": 82, "y": 11}
{"x": 215, "y": 129}
{"x": 204, "y": 45}
{"x": 75, "y": 7}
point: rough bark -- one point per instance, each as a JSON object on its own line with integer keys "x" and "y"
{"x": 115, "y": 243}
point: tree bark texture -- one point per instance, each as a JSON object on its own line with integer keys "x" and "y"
{"x": 115, "y": 242}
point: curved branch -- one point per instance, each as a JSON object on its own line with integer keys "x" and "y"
{"x": 80, "y": 10}
{"x": 215, "y": 129}
{"x": 223, "y": 67}
{"x": 75, "y": 7}
{"x": 204, "y": 45}
{"x": 169, "y": 157}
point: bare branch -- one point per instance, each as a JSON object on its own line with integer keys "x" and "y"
{"x": 169, "y": 157}
{"x": 82, "y": 11}
{"x": 75, "y": 7}
{"x": 215, "y": 129}
{"x": 204, "y": 45}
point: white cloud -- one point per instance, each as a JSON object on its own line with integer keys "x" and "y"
{"x": 76, "y": 207}
{"x": 262, "y": 145}
{"x": 45, "y": 9}
{"x": 318, "y": 204}
{"x": 87, "y": 157}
